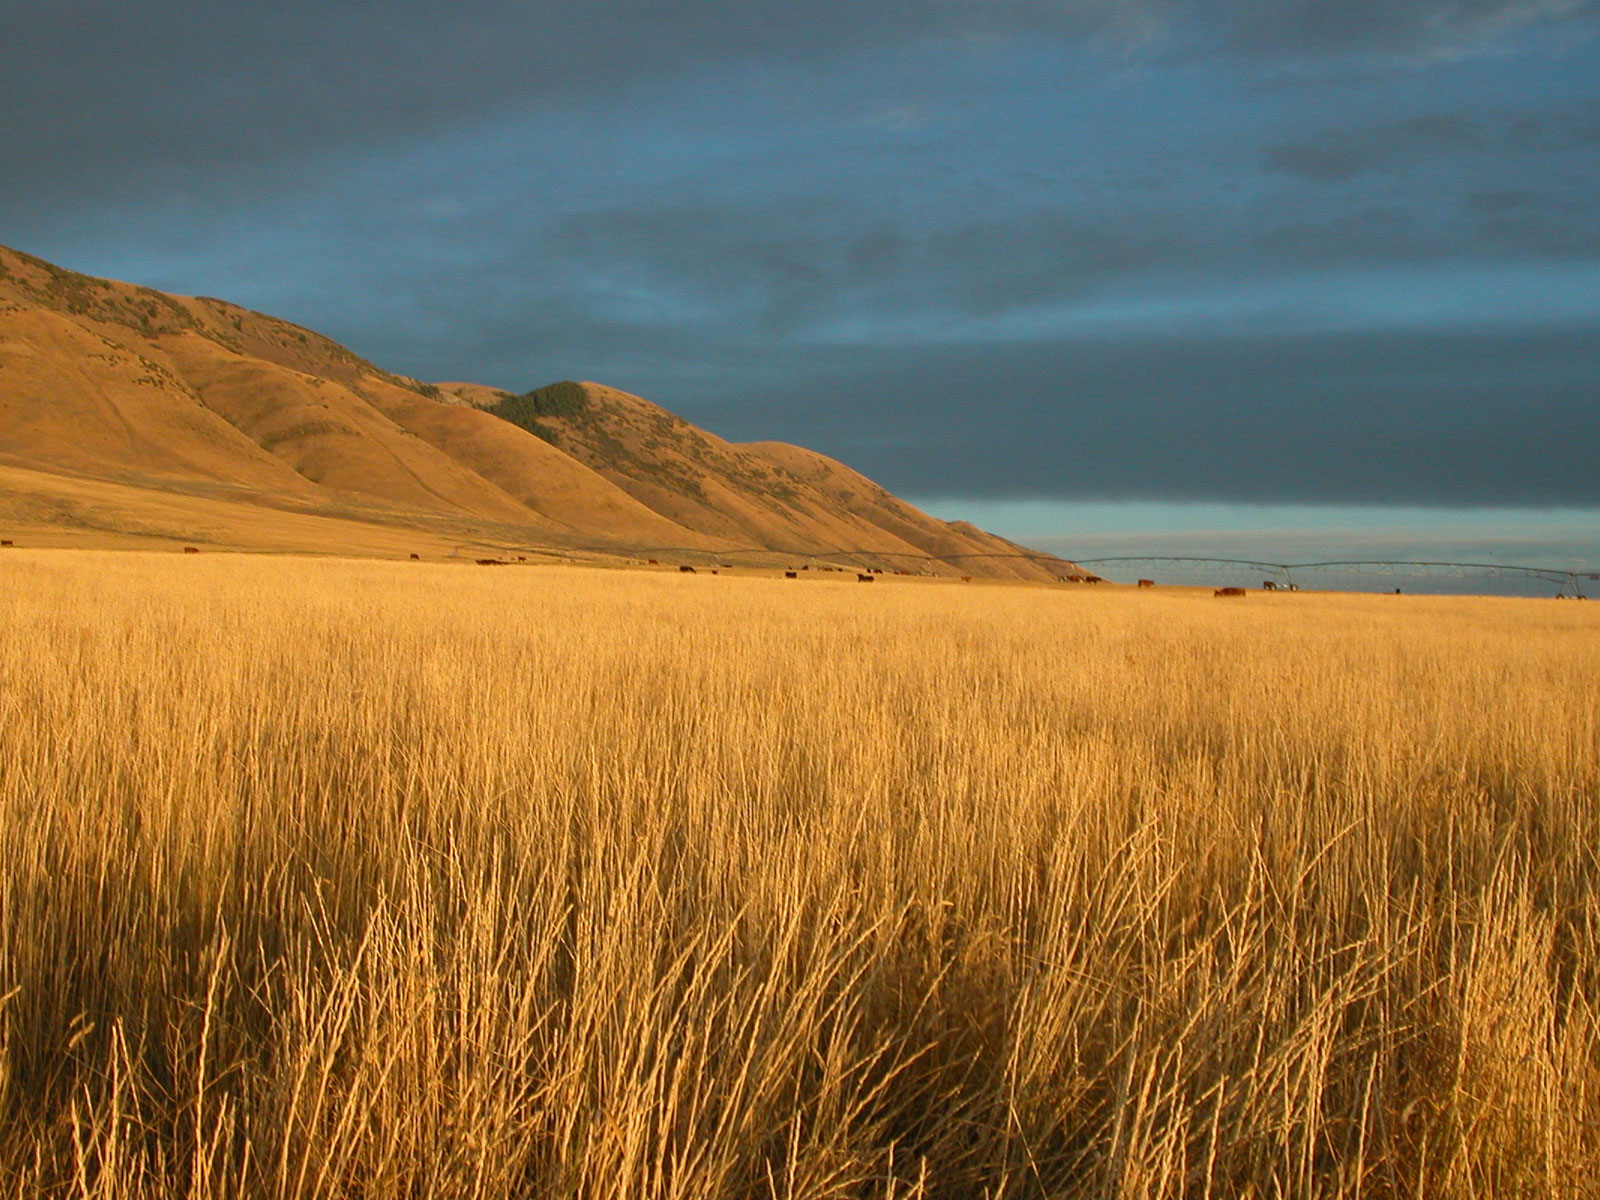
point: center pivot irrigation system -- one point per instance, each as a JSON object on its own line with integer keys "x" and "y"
{"x": 1569, "y": 583}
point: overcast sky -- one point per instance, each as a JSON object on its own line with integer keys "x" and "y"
{"x": 1009, "y": 257}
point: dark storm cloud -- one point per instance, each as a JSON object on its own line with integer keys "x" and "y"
{"x": 90, "y": 86}
{"x": 786, "y": 265}
{"x": 1440, "y": 417}
{"x": 890, "y": 231}
{"x": 1434, "y": 28}
{"x": 1339, "y": 155}
{"x": 1535, "y": 223}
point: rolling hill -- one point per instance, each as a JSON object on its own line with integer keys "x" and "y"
{"x": 128, "y": 415}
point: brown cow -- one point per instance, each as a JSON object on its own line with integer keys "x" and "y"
{"x": 966, "y": 579}
{"x": 7, "y": 542}
{"x": 686, "y": 569}
{"x": 490, "y": 562}
{"x": 653, "y": 563}
{"x": 1269, "y": 585}
{"x": 1228, "y": 591}
{"x": 791, "y": 574}
{"x": 1147, "y": 583}
{"x": 860, "y": 578}
{"x": 191, "y": 549}
{"x": 416, "y": 558}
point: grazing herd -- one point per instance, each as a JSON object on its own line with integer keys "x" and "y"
{"x": 863, "y": 576}
{"x": 867, "y": 574}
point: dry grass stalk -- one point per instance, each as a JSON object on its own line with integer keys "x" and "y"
{"x": 331, "y": 879}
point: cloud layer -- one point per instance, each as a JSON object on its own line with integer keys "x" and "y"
{"x": 1322, "y": 251}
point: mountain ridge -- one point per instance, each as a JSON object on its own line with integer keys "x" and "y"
{"x": 154, "y": 393}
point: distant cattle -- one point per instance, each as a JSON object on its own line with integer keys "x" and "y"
{"x": 522, "y": 558}
{"x": 966, "y": 579}
{"x": 1093, "y": 579}
{"x": 191, "y": 549}
{"x": 726, "y": 566}
{"x": 860, "y": 578}
{"x": 791, "y": 574}
{"x": 686, "y": 569}
{"x": 416, "y": 558}
{"x": 876, "y": 570}
{"x": 654, "y": 563}
{"x": 7, "y": 542}
{"x": 490, "y": 562}
{"x": 1147, "y": 583}
{"x": 1269, "y": 585}
{"x": 1231, "y": 591}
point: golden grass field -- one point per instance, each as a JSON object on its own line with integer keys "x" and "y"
{"x": 361, "y": 879}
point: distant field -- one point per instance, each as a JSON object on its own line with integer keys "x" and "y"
{"x": 364, "y": 879}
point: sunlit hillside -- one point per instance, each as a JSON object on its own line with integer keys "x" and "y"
{"x": 339, "y": 878}
{"x": 130, "y": 417}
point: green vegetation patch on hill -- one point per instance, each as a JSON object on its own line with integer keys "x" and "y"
{"x": 150, "y": 312}
{"x": 565, "y": 400}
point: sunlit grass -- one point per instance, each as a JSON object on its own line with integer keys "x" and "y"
{"x": 412, "y": 880}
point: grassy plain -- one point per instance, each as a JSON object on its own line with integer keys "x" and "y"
{"x": 361, "y": 879}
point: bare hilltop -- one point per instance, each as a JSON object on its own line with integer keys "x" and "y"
{"x": 131, "y": 416}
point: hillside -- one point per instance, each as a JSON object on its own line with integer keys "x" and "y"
{"x": 129, "y": 412}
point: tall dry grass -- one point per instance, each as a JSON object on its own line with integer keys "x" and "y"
{"x": 371, "y": 880}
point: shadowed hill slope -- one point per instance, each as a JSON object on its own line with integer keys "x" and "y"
{"x": 171, "y": 394}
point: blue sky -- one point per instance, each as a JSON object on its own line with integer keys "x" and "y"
{"x": 1082, "y": 272}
